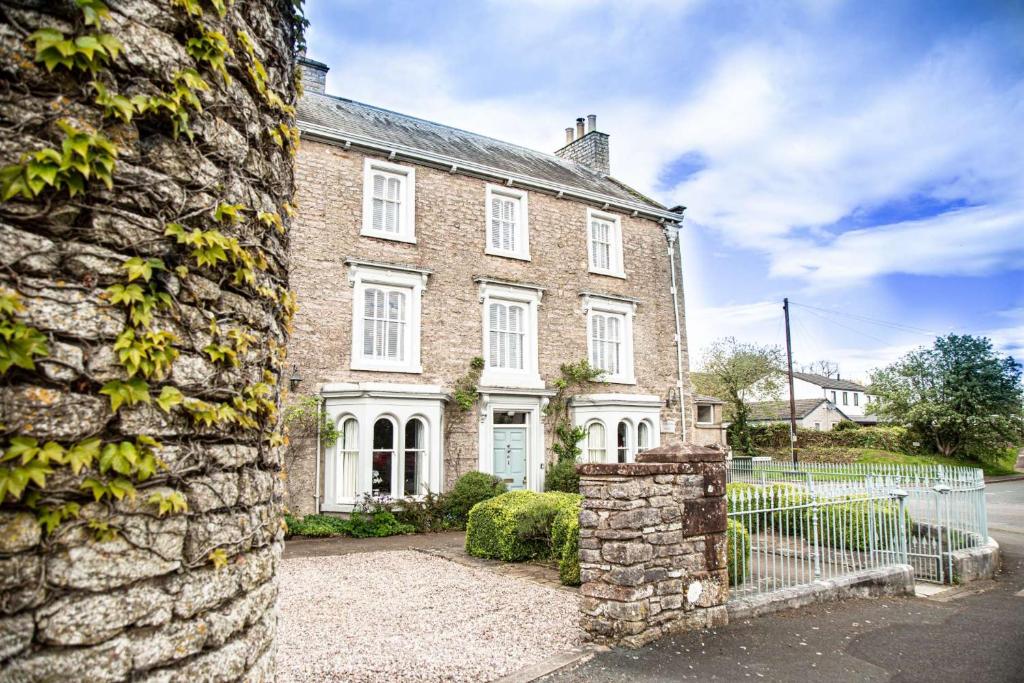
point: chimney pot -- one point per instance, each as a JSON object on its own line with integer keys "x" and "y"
{"x": 568, "y": 135}
{"x": 579, "y": 127}
{"x": 591, "y": 123}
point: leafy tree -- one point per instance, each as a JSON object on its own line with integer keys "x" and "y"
{"x": 728, "y": 371}
{"x": 959, "y": 395}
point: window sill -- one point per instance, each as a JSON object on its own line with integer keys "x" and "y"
{"x": 507, "y": 254}
{"x": 617, "y": 380}
{"x": 609, "y": 273}
{"x": 385, "y": 367}
{"x": 377, "y": 234}
{"x": 492, "y": 378}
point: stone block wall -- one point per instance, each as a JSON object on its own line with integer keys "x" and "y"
{"x": 653, "y": 545}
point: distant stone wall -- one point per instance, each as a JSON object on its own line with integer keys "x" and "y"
{"x": 653, "y": 545}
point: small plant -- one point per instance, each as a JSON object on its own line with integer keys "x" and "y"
{"x": 562, "y": 476}
{"x": 303, "y": 417}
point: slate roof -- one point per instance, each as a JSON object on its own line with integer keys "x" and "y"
{"x": 701, "y": 398}
{"x": 345, "y": 116}
{"x": 765, "y": 411}
{"x": 829, "y": 382}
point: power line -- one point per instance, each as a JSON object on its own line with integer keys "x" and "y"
{"x": 852, "y": 329}
{"x": 868, "y": 319}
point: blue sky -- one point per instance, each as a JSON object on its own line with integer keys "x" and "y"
{"x": 863, "y": 159}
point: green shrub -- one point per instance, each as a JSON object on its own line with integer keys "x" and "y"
{"x": 738, "y": 552}
{"x": 316, "y": 525}
{"x": 470, "y": 489}
{"x": 565, "y": 543}
{"x": 425, "y": 515}
{"x": 844, "y": 425}
{"x": 562, "y": 476}
{"x": 376, "y": 525}
{"x": 515, "y": 526}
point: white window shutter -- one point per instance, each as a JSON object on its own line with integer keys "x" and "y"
{"x": 496, "y": 223}
{"x": 493, "y": 336}
{"x": 378, "y": 201}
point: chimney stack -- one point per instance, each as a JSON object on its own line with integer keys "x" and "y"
{"x": 314, "y": 75}
{"x": 587, "y": 147}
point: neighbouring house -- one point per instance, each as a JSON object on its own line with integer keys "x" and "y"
{"x": 418, "y": 247}
{"x": 850, "y": 397}
{"x": 708, "y": 424}
{"x": 819, "y": 414}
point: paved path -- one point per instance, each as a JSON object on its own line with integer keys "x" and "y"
{"x": 323, "y": 547}
{"x": 974, "y": 634}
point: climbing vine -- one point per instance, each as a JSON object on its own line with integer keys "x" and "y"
{"x": 566, "y": 436}
{"x": 211, "y": 243}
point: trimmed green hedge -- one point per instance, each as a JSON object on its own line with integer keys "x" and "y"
{"x": 360, "y": 524}
{"x": 886, "y": 438}
{"x": 565, "y": 543}
{"x": 840, "y": 524}
{"x": 738, "y": 551}
{"x": 515, "y": 526}
{"x": 470, "y": 489}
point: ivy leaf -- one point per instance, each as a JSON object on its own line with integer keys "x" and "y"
{"x": 83, "y": 454}
{"x": 219, "y": 558}
{"x": 125, "y": 294}
{"x": 168, "y": 503}
{"x": 23, "y": 447}
{"x": 168, "y": 398}
{"x": 52, "y": 452}
{"x": 135, "y": 390}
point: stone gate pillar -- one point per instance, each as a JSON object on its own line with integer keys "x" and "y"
{"x": 653, "y": 545}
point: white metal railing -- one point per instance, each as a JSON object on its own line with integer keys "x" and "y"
{"x": 942, "y": 511}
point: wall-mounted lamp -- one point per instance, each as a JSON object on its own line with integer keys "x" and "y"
{"x": 295, "y": 380}
{"x": 673, "y": 397}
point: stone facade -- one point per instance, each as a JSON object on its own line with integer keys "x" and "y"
{"x": 450, "y": 243}
{"x": 146, "y": 601}
{"x": 653, "y": 545}
{"x": 591, "y": 150}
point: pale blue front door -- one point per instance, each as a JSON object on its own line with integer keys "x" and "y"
{"x": 510, "y": 456}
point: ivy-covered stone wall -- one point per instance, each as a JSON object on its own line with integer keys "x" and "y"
{"x": 145, "y": 172}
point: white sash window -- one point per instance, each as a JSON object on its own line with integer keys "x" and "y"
{"x": 507, "y": 219}
{"x": 604, "y": 243}
{"x": 610, "y": 336}
{"x": 389, "y": 201}
{"x": 506, "y": 331}
{"x": 596, "y": 444}
{"x": 606, "y": 342}
{"x": 384, "y": 324}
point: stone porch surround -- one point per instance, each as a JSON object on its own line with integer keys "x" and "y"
{"x": 653, "y": 545}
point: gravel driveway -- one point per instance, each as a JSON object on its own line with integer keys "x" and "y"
{"x": 407, "y": 616}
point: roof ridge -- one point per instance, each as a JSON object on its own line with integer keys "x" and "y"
{"x": 549, "y": 155}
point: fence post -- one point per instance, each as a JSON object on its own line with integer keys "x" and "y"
{"x": 817, "y": 545}
{"x": 653, "y": 557}
{"x": 901, "y": 524}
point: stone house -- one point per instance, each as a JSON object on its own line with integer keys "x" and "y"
{"x": 819, "y": 414}
{"x": 417, "y": 248}
{"x": 851, "y": 398}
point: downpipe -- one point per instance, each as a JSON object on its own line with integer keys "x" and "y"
{"x": 672, "y": 235}
{"x": 316, "y": 476}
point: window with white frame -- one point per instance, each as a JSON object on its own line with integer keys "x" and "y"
{"x": 833, "y": 397}
{"x": 383, "y": 456}
{"x": 506, "y": 333}
{"x": 414, "y": 462}
{"x": 507, "y": 223}
{"x": 596, "y": 446}
{"x": 604, "y": 243}
{"x": 643, "y": 436}
{"x": 856, "y": 399}
{"x": 509, "y": 334}
{"x": 385, "y": 321}
{"x": 347, "y": 449}
{"x": 610, "y": 337}
{"x": 846, "y": 399}
{"x": 389, "y": 201}
{"x": 623, "y": 447}
{"x": 386, "y": 316}
{"x": 705, "y": 414}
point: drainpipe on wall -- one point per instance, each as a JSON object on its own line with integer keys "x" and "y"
{"x": 316, "y": 476}
{"x": 671, "y": 234}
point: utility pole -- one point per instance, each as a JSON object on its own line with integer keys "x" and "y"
{"x": 792, "y": 398}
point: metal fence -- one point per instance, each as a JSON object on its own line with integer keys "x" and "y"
{"x": 793, "y": 524}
